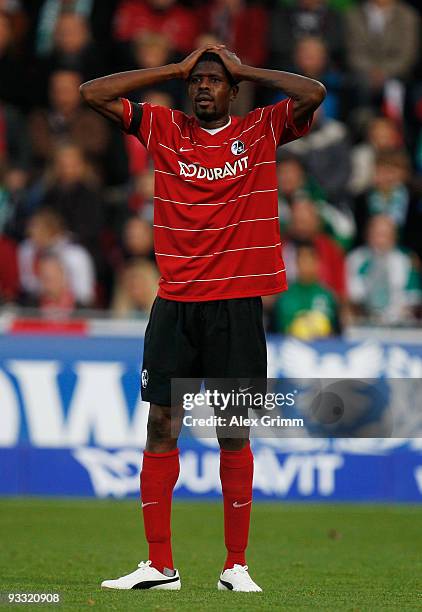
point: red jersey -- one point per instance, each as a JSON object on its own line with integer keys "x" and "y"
{"x": 216, "y": 224}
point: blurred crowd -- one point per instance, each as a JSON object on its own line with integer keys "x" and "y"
{"x": 76, "y": 194}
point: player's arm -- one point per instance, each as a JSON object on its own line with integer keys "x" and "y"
{"x": 307, "y": 94}
{"x": 104, "y": 94}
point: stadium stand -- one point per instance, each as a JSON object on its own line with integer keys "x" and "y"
{"x": 356, "y": 175}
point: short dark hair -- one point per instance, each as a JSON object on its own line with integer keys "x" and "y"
{"x": 209, "y": 56}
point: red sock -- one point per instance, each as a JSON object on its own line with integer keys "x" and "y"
{"x": 159, "y": 475}
{"x": 236, "y": 473}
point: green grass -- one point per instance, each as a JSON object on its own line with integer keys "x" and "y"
{"x": 306, "y": 557}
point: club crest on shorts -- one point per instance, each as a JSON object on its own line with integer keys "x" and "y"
{"x": 238, "y": 147}
{"x": 144, "y": 378}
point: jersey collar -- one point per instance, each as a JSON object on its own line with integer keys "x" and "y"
{"x": 217, "y": 130}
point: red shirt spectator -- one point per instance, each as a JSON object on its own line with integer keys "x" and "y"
{"x": 164, "y": 16}
{"x": 305, "y": 225}
{"x": 241, "y": 28}
{"x": 9, "y": 276}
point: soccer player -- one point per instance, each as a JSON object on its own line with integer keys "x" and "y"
{"x": 218, "y": 249}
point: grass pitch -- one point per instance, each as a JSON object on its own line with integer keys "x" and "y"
{"x": 306, "y": 557}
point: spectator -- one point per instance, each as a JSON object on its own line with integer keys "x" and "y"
{"x": 136, "y": 243}
{"x": 293, "y": 181}
{"x": 295, "y": 184}
{"x": 73, "y": 50}
{"x": 47, "y": 235}
{"x": 383, "y": 283}
{"x": 66, "y": 120}
{"x": 304, "y": 18}
{"x": 151, "y": 50}
{"x": 326, "y": 152}
{"x": 307, "y": 310}
{"x": 389, "y": 194}
{"x": 383, "y": 135}
{"x": 311, "y": 59}
{"x": 142, "y": 198}
{"x": 18, "y": 18}
{"x": 138, "y": 239}
{"x": 382, "y": 44}
{"x": 72, "y": 191}
{"x": 137, "y": 287}
{"x": 45, "y": 13}
{"x": 166, "y": 17}
{"x": 240, "y": 26}
{"x": 55, "y": 297}
{"x": 12, "y": 73}
{"x": 305, "y": 224}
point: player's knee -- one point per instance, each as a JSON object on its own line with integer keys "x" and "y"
{"x": 159, "y": 426}
{"x": 159, "y": 430}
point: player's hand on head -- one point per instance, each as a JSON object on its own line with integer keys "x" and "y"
{"x": 186, "y": 65}
{"x": 230, "y": 59}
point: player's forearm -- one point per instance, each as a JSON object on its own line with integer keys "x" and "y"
{"x": 108, "y": 88}
{"x": 306, "y": 93}
{"x": 295, "y": 86}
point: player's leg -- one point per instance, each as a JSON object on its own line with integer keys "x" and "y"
{"x": 236, "y": 474}
{"x": 159, "y": 474}
{"x": 236, "y": 349}
{"x": 168, "y": 353}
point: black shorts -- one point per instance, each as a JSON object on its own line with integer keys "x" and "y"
{"x": 219, "y": 339}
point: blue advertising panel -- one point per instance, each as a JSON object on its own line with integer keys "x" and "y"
{"x": 72, "y": 423}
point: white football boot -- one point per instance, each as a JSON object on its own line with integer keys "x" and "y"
{"x": 237, "y": 579}
{"x": 146, "y": 577}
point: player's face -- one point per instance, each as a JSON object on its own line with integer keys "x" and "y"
{"x": 210, "y": 91}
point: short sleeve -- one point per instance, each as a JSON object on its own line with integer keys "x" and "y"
{"x": 282, "y": 123}
{"x": 138, "y": 120}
